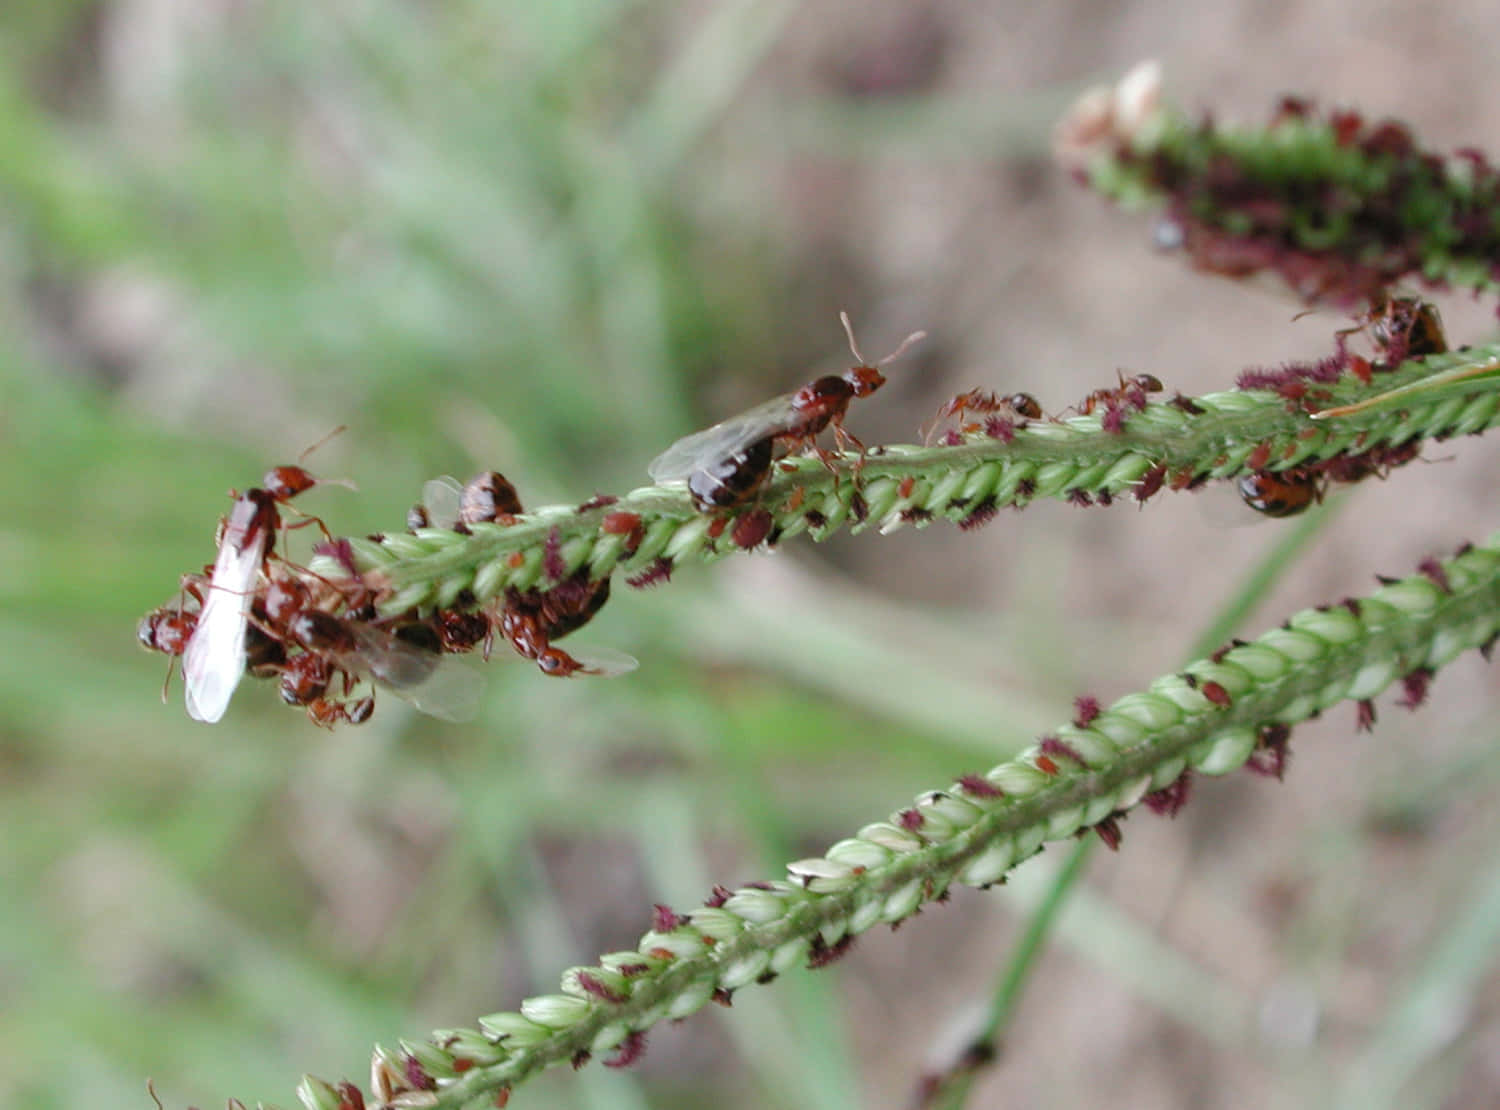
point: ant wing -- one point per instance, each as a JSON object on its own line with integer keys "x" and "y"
{"x": 440, "y": 497}
{"x": 437, "y": 685}
{"x": 603, "y": 661}
{"x": 722, "y": 440}
{"x": 215, "y": 656}
{"x": 450, "y": 692}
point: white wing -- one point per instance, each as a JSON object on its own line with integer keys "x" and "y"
{"x": 214, "y": 659}
{"x": 727, "y": 438}
{"x": 440, "y": 497}
{"x": 603, "y": 661}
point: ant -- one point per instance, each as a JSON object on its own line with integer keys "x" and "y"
{"x": 529, "y": 620}
{"x": 725, "y": 465}
{"x": 405, "y": 658}
{"x": 532, "y": 619}
{"x": 1129, "y": 394}
{"x": 485, "y": 498}
{"x": 1280, "y": 493}
{"x": 214, "y": 658}
{"x": 1401, "y": 328}
{"x": 1016, "y": 407}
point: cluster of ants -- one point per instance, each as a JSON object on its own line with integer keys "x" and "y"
{"x": 323, "y": 640}
{"x": 255, "y": 612}
{"x": 1401, "y": 328}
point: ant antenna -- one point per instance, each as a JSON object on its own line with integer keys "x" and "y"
{"x": 303, "y": 457}
{"x": 906, "y": 344}
{"x": 347, "y": 483}
{"x": 849, "y": 331}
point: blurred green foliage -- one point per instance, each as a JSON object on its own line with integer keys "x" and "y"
{"x": 546, "y": 239}
{"x": 479, "y": 236}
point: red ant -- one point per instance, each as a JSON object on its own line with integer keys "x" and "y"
{"x": 214, "y": 659}
{"x": 1016, "y": 406}
{"x": 1129, "y": 394}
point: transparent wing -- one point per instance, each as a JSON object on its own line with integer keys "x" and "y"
{"x": 215, "y": 657}
{"x": 735, "y": 434}
{"x": 441, "y": 496}
{"x": 438, "y": 685}
{"x": 450, "y": 692}
{"x": 603, "y": 661}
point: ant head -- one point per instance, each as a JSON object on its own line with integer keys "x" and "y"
{"x": 285, "y": 482}
{"x": 864, "y": 380}
{"x": 145, "y": 632}
{"x": 864, "y": 377}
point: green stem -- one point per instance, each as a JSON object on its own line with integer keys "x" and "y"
{"x": 951, "y": 1089}
{"x": 1235, "y": 432}
{"x": 1207, "y": 718}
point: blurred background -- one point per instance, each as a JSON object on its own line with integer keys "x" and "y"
{"x": 549, "y": 239}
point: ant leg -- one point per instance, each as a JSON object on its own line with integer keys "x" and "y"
{"x": 166, "y": 683}
{"x": 308, "y": 518}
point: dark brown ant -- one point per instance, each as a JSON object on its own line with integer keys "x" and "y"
{"x": 725, "y": 465}
{"x": 1400, "y": 328}
{"x": 733, "y": 479}
{"x": 405, "y": 658}
{"x": 486, "y": 498}
{"x": 265, "y": 655}
{"x": 1280, "y": 493}
{"x": 459, "y": 631}
{"x": 1405, "y": 327}
{"x": 330, "y": 653}
{"x": 529, "y": 620}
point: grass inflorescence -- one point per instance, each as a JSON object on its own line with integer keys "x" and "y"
{"x": 1234, "y": 708}
{"x": 1341, "y": 210}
